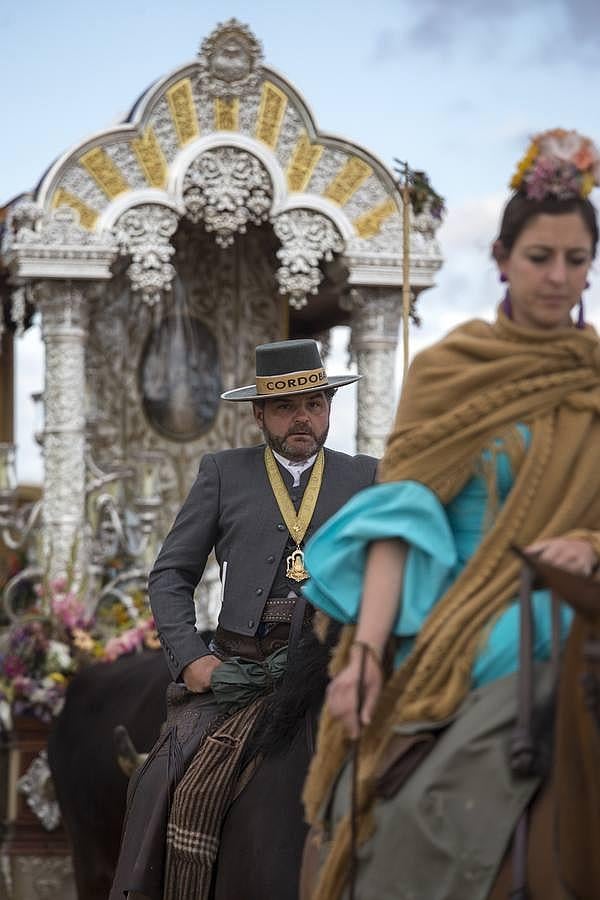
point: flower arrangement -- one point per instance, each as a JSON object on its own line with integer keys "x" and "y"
{"x": 41, "y": 653}
{"x": 558, "y": 163}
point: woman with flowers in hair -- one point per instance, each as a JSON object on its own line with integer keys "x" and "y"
{"x": 495, "y": 444}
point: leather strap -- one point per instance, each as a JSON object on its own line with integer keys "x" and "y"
{"x": 360, "y": 699}
{"x": 522, "y": 748}
{"x": 279, "y": 609}
{"x": 520, "y": 889}
{"x": 556, "y": 634}
{"x": 296, "y": 625}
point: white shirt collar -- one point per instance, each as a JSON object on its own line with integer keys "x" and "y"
{"x": 295, "y": 467}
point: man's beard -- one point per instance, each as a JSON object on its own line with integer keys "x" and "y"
{"x": 293, "y": 453}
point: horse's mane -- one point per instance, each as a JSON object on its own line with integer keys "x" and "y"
{"x": 299, "y": 693}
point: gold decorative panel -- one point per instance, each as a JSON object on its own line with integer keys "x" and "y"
{"x": 369, "y": 223}
{"x": 183, "y": 111}
{"x": 302, "y": 164}
{"x": 151, "y": 159}
{"x": 105, "y": 172}
{"x": 87, "y": 216}
{"x": 353, "y": 173}
{"x": 226, "y": 113}
{"x": 270, "y": 114}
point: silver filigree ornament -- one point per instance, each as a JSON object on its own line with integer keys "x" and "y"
{"x": 227, "y": 189}
{"x": 230, "y": 60}
{"x": 23, "y": 216}
{"x": 59, "y": 228}
{"x": 19, "y": 307}
{"x": 144, "y": 233}
{"x": 37, "y": 786}
{"x": 55, "y": 245}
{"x": 306, "y": 239}
{"x": 376, "y": 313}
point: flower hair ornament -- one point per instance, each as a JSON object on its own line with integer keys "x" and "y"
{"x": 560, "y": 164}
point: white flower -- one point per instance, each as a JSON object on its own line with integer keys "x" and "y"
{"x": 59, "y": 657}
{"x": 562, "y": 146}
{"x": 5, "y": 716}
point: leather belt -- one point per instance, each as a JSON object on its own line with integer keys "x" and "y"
{"x": 229, "y": 643}
{"x": 278, "y": 609}
{"x": 278, "y": 613}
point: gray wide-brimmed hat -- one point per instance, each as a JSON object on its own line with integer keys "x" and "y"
{"x": 288, "y": 367}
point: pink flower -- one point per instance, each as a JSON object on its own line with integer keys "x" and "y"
{"x": 70, "y": 611}
{"x": 12, "y": 666}
{"x": 124, "y": 643}
{"x": 59, "y": 585}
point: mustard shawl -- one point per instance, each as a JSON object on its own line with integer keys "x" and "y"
{"x": 459, "y": 395}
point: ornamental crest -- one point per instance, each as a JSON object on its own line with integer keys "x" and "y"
{"x": 307, "y": 238}
{"x": 144, "y": 233}
{"x": 230, "y": 59}
{"x": 227, "y": 189}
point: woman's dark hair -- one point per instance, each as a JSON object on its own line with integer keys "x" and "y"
{"x": 520, "y": 209}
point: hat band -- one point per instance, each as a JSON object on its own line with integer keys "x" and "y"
{"x": 291, "y": 382}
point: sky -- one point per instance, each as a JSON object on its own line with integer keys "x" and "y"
{"x": 456, "y": 88}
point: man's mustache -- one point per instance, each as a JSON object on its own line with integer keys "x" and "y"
{"x": 299, "y": 430}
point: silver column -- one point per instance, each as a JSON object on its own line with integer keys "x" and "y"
{"x": 376, "y": 314}
{"x": 63, "y": 307}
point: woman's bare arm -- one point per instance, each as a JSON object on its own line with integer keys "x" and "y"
{"x": 379, "y": 608}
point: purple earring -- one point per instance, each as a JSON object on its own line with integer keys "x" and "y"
{"x": 507, "y": 306}
{"x": 581, "y": 316}
{"x": 587, "y": 284}
{"x": 503, "y": 278}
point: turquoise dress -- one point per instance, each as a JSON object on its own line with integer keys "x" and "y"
{"x": 441, "y": 541}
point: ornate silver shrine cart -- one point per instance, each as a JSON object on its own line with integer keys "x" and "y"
{"x": 158, "y": 253}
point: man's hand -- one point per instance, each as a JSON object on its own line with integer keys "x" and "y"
{"x": 575, "y": 555}
{"x": 197, "y": 674}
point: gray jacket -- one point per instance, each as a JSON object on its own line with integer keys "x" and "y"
{"x": 232, "y": 508}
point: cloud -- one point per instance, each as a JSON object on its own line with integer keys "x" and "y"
{"x": 564, "y": 30}
{"x": 439, "y": 26}
{"x": 472, "y": 224}
{"x": 583, "y": 20}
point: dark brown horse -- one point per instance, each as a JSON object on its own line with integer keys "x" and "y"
{"x": 90, "y": 786}
{"x": 265, "y": 825}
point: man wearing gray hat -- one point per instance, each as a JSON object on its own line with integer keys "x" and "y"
{"x": 256, "y": 507}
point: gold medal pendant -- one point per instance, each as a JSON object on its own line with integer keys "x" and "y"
{"x": 297, "y": 522}
{"x": 295, "y": 566}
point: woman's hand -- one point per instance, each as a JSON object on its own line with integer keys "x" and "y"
{"x": 343, "y": 691}
{"x": 573, "y": 554}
